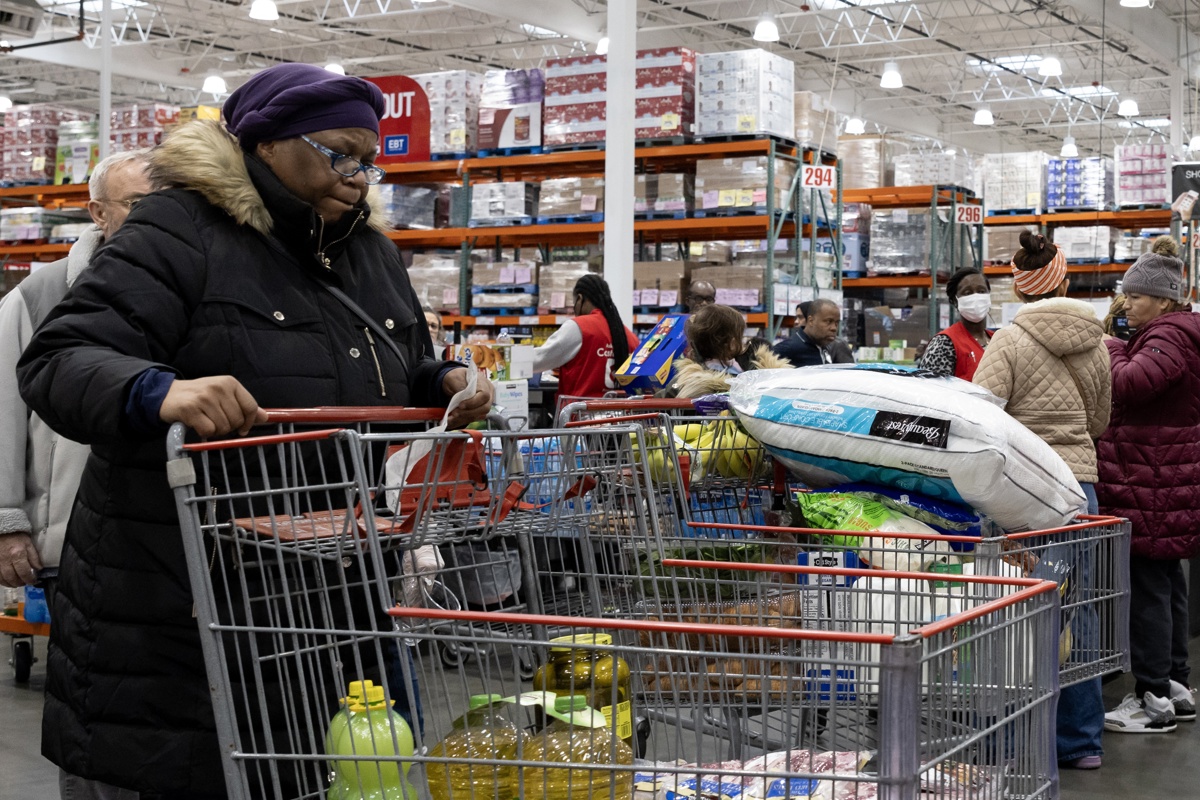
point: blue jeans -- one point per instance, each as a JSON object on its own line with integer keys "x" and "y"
{"x": 1081, "y": 707}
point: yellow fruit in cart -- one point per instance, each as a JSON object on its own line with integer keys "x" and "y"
{"x": 691, "y": 433}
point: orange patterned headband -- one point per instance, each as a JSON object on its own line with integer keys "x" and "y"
{"x": 1035, "y": 282}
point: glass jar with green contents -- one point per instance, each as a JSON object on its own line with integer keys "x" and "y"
{"x": 592, "y": 673}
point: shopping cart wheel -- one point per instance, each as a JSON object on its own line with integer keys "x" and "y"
{"x": 451, "y": 656}
{"x": 525, "y": 666}
{"x": 22, "y": 659}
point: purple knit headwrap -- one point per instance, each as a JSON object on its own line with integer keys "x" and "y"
{"x": 292, "y": 99}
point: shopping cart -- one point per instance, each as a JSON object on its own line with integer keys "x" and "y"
{"x": 1089, "y": 559}
{"x": 725, "y": 476}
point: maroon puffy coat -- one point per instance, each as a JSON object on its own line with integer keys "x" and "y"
{"x": 1149, "y": 457}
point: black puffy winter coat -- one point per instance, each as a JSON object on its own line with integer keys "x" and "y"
{"x": 219, "y": 275}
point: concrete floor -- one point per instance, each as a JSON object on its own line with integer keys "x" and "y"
{"x": 1145, "y": 767}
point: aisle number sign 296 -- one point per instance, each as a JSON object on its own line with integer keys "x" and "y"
{"x": 965, "y": 214}
{"x": 816, "y": 176}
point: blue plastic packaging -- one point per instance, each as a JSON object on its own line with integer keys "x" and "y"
{"x": 36, "y": 609}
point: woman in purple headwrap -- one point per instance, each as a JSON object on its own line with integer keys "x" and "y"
{"x": 212, "y": 301}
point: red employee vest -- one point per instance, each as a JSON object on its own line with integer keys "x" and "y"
{"x": 967, "y": 351}
{"x": 590, "y": 373}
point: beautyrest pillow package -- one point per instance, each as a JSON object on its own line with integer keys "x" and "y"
{"x": 906, "y": 428}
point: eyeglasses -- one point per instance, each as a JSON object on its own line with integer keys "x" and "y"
{"x": 348, "y": 167}
{"x": 701, "y": 298}
{"x": 128, "y": 202}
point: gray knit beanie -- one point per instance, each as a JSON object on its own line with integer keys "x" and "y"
{"x": 1155, "y": 275}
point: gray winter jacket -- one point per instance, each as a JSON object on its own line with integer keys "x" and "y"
{"x": 39, "y": 470}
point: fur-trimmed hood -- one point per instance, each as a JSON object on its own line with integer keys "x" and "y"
{"x": 204, "y": 157}
{"x": 693, "y": 379}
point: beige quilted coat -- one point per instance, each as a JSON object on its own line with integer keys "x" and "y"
{"x": 1026, "y": 364}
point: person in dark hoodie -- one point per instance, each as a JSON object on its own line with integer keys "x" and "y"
{"x": 1150, "y": 474}
{"x": 214, "y": 300}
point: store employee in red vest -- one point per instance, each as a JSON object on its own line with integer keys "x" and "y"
{"x": 958, "y": 350}
{"x": 588, "y": 349}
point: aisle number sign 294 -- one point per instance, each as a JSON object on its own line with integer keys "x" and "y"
{"x": 404, "y": 129}
{"x": 965, "y": 214}
{"x": 816, "y": 176}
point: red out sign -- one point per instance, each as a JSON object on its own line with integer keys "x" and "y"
{"x": 818, "y": 177}
{"x": 404, "y": 129}
{"x": 968, "y": 214}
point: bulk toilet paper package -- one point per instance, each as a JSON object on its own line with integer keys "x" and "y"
{"x": 906, "y": 428}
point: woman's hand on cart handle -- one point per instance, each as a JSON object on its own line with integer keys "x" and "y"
{"x": 212, "y": 406}
{"x": 473, "y": 408}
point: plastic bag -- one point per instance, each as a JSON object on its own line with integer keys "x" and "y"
{"x": 854, "y": 512}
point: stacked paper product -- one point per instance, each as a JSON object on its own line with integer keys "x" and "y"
{"x": 1088, "y": 243}
{"x": 1073, "y": 183}
{"x": 571, "y": 197}
{"x": 1128, "y": 247}
{"x": 943, "y": 168}
{"x": 30, "y": 141}
{"x": 1143, "y": 174}
{"x": 1014, "y": 181}
{"x": 746, "y": 91}
{"x": 453, "y": 109}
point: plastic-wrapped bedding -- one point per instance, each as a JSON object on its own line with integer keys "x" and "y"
{"x": 901, "y": 427}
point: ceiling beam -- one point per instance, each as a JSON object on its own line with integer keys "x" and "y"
{"x": 1149, "y": 29}
{"x": 128, "y": 62}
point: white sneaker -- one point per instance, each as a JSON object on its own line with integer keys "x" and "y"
{"x": 1149, "y": 715}
{"x": 1184, "y": 701}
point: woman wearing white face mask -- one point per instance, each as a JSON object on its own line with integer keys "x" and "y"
{"x": 958, "y": 350}
{"x": 1052, "y": 367}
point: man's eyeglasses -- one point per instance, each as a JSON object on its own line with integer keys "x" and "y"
{"x": 128, "y": 202}
{"x": 348, "y": 167}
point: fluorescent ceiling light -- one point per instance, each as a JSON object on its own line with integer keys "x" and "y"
{"x": 1069, "y": 150}
{"x": 766, "y": 30}
{"x": 1050, "y": 67}
{"x": 335, "y": 68}
{"x": 264, "y": 10}
{"x": 984, "y": 116}
{"x": 1135, "y": 3}
{"x": 602, "y": 46}
{"x": 1160, "y": 122}
{"x": 891, "y": 77}
{"x": 214, "y": 84}
{"x": 1128, "y": 108}
{"x": 855, "y": 126}
{"x": 5, "y": 102}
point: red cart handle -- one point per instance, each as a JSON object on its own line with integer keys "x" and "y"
{"x": 343, "y": 414}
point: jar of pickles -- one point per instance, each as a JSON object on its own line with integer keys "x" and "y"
{"x": 593, "y": 674}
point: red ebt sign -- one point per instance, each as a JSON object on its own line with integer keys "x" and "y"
{"x": 404, "y": 129}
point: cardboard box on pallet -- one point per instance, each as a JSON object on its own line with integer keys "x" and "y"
{"x": 556, "y": 285}
{"x": 866, "y": 161}
{"x": 1015, "y": 181}
{"x": 816, "y": 122}
{"x": 1143, "y": 174}
{"x": 571, "y": 197}
{"x": 505, "y": 273}
{"x": 660, "y": 283}
{"x": 504, "y": 200}
{"x": 667, "y": 192}
{"x": 453, "y": 109}
{"x": 740, "y": 287}
{"x": 435, "y": 279}
{"x": 733, "y": 183}
{"x": 1001, "y": 242}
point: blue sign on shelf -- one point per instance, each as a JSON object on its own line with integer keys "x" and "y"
{"x": 395, "y": 145}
